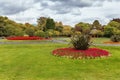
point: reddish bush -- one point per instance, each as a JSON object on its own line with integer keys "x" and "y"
{"x": 73, "y": 53}
{"x": 25, "y": 38}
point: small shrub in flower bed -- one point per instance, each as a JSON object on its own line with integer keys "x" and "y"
{"x": 26, "y": 38}
{"x": 79, "y": 54}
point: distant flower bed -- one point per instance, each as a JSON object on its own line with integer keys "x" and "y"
{"x": 26, "y": 38}
{"x": 110, "y": 42}
{"x": 73, "y": 53}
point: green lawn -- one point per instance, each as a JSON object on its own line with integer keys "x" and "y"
{"x": 35, "y": 62}
{"x": 94, "y": 40}
{"x": 100, "y": 40}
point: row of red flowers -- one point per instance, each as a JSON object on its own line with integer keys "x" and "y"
{"x": 73, "y": 53}
{"x": 26, "y": 38}
{"x": 110, "y": 42}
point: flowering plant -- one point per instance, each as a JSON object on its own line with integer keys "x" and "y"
{"x": 25, "y": 38}
{"x": 73, "y": 53}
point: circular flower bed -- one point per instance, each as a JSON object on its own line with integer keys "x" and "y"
{"x": 26, "y": 38}
{"x": 73, "y": 53}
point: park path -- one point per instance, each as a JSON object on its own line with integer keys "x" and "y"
{"x": 51, "y": 41}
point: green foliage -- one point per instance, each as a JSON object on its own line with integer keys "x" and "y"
{"x": 84, "y": 28}
{"x": 10, "y": 28}
{"x": 115, "y": 38}
{"x": 80, "y": 42}
{"x": 42, "y": 23}
{"x": 100, "y": 33}
{"x": 19, "y": 32}
{"x": 96, "y": 33}
{"x": 56, "y": 33}
{"x": 77, "y": 33}
{"x": 113, "y": 28}
{"x": 30, "y": 31}
{"x": 52, "y": 32}
{"x": 97, "y": 24}
{"x": 114, "y": 24}
{"x": 108, "y": 31}
{"x": 67, "y": 31}
{"x": 59, "y": 28}
{"x": 50, "y": 24}
{"x": 41, "y": 33}
{"x": 116, "y": 20}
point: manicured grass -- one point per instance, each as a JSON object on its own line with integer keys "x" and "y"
{"x": 94, "y": 40}
{"x": 100, "y": 40}
{"x": 36, "y": 62}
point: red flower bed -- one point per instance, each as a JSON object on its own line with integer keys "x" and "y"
{"x": 110, "y": 42}
{"x": 73, "y": 53}
{"x": 26, "y": 38}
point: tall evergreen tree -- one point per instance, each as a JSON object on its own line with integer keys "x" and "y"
{"x": 50, "y": 24}
{"x": 96, "y": 24}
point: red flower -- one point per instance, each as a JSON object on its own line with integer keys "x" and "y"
{"x": 91, "y": 52}
{"x": 26, "y": 38}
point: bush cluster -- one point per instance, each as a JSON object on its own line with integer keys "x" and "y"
{"x": 115, "y": 38}
{"x": 80, "y": 42}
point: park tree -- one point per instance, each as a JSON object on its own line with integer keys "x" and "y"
{"x": 40, "y": 33}
{"x": 42, "y": 23}
{"x": 112, "y": 28}
{"x": 84, "y": 28}
{"x": 30, "y": 31}
{"x": 109, "y": 31}
{"x": 116, "y": 20}
{"x": 2, "y": 25}
{"x": 58, "y": 26}
{"x": 50, "y": 24}
{"x": 97, "y": 25}
{"x": 114, "y": 24}
{"x": 10, "y": 28}
{"x": 66, "y": 30}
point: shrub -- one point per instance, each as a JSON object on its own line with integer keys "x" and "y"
{"x": 56, "y": 33}
{"x": 40, "y": 33}
{"x": 30, "y": 31}
{"x": 80, "y": 42}
{"x": 77, "y": 33}
{"x": 19, "y": 32}
{"x": 115, "y": 38}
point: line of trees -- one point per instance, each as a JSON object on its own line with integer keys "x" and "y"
{"x": 97, "y": 30}
{"x": 47, "y": 27}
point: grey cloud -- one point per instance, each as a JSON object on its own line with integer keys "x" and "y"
{"x": 65, "y": 6}
{"x": 23, "y": 18}
{"x": 112, "y": 15}
{"x": 9, "y": 7}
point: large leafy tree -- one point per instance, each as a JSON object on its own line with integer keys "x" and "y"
{"x": 10, "y": 28}
{"x": 50, "y": 24}
{"x": 58, "y": 26}
{"x": 96, "y": 24}
{"x": 112, "y": 28}
{"x": 83, "y": 27}
{"x": 67, "y": 30}
{"x": 42, "y": 23}
{"x": 30, "y": 31}
{"x": 2, "y": 25}
{"x": 116, "y": 20}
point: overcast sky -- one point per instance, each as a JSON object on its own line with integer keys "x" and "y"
{"x": 68, "y": 11}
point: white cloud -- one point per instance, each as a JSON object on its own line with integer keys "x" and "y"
{"x": 70, "y": 12}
